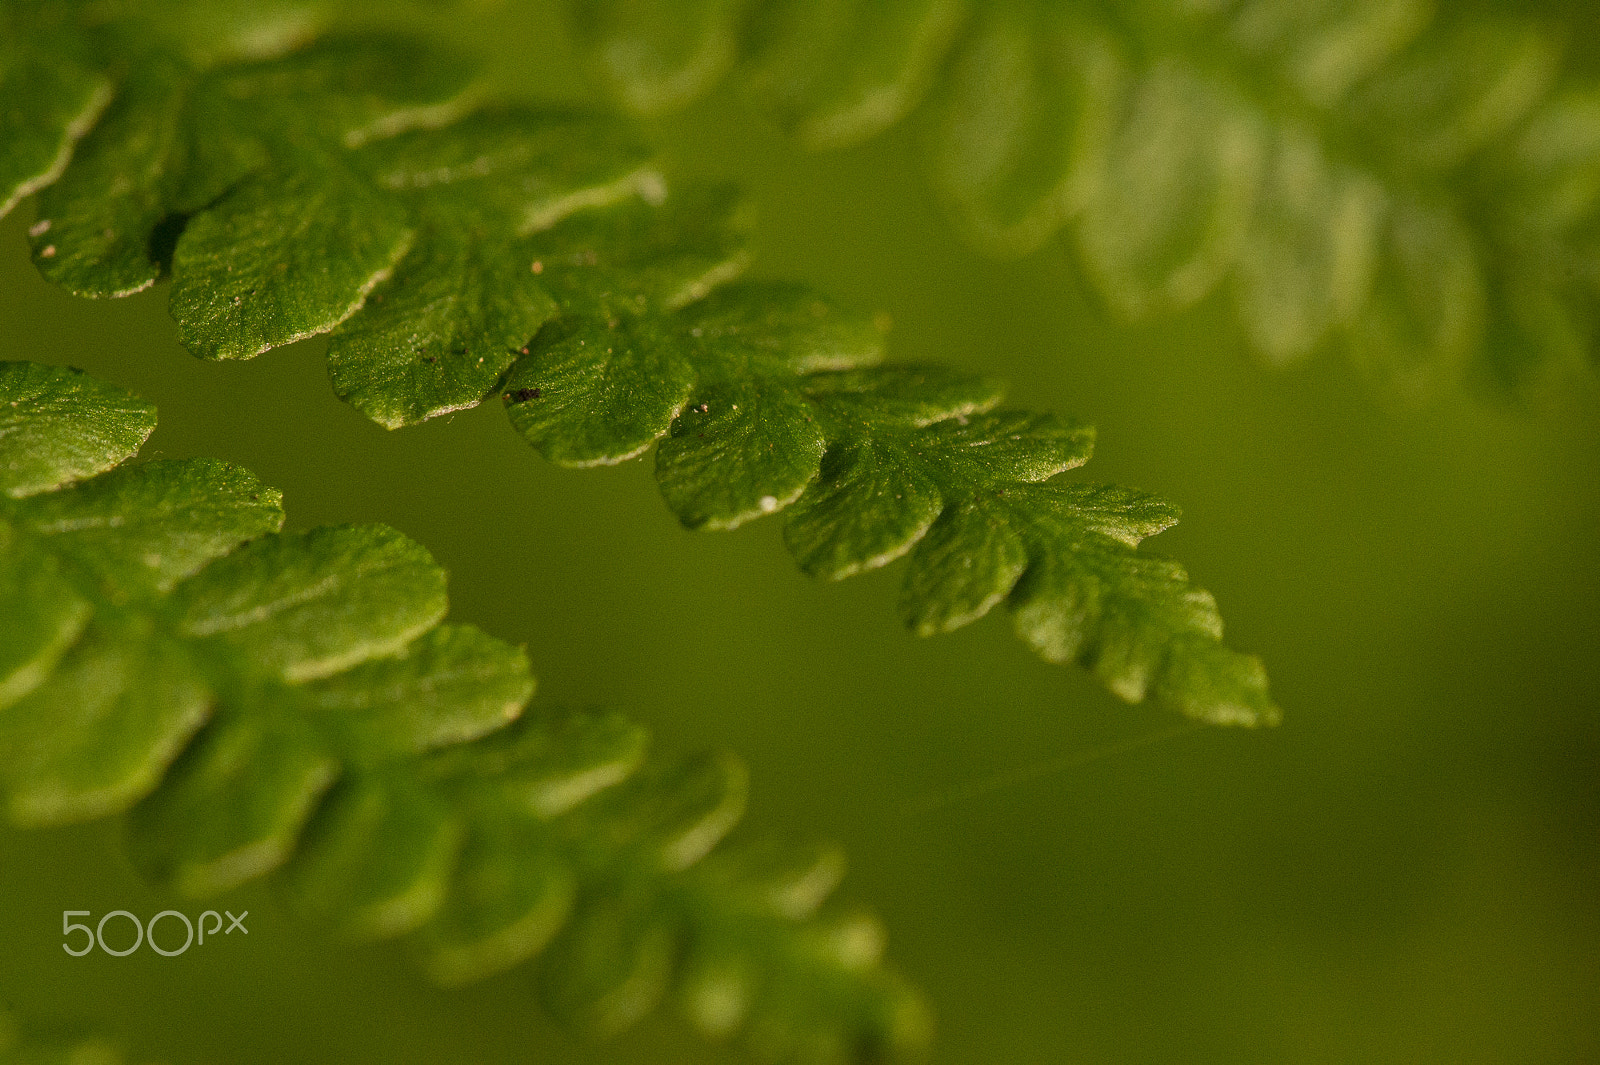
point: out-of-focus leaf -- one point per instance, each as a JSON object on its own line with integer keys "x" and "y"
{"x": 1303, "y": 152}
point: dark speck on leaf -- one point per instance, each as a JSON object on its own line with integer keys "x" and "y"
{"x": 522, "y": 395}
{"x": 430, "y": 358}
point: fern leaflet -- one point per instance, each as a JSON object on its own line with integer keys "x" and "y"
{"x": 265, "y": 702}
{"x": 452, "y": 249}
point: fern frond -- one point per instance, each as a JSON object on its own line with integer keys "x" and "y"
{"x": 262, "y": 702}
{"x": 766, "y": 397}
{"x": 434, "y": 240}
{"x": 1422, "y": 186}
{"x": 281, "y": 192}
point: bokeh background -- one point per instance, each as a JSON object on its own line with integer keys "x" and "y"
{"x": 1407, "y": 871}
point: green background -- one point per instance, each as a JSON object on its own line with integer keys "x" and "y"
{"x": 1408, "y": 870}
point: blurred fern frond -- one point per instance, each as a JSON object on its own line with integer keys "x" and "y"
{"x": 1420, "y": 186}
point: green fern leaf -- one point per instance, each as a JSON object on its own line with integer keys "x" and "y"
{"x": 53, "y": 94}
{"x": 765, "y": 397}
{"x": 660, "y": 54}
{"x": 281, "y": 192}
{"x": 453, "y": 250}
{"x": 1363, "y": 171}
{"x": 262, "y": 702}
{"x": 64, "y": 426}
{"x": 836, "y": 73}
